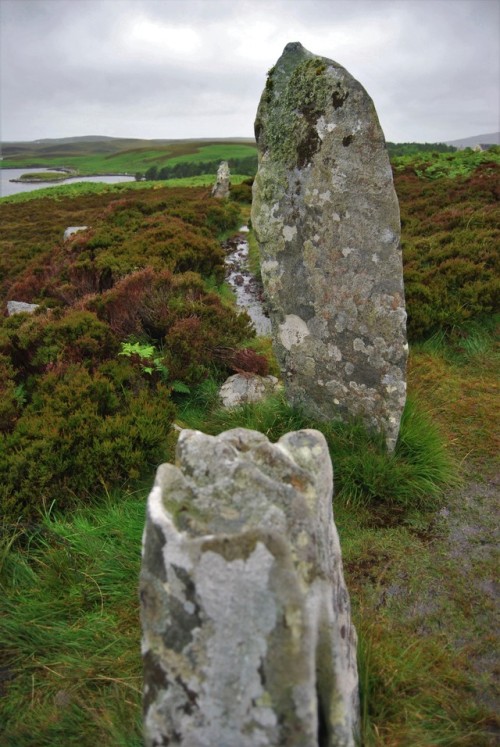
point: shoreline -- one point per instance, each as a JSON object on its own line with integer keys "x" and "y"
{"x": 62, "y": 179}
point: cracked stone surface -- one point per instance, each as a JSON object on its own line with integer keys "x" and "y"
{"x": 326, "y": 217}
{"x": 247, "y": 636}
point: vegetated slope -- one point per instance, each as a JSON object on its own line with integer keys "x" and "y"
{"x": 450, "y": 239}
{"x": 86, "y": 145}
{"x": 115, "y": 156}
{"x": 450, "y": 232}
{"x": 486, "y": 138}
{"x": 76, "y": 413}
{"x": 69, "y": 630}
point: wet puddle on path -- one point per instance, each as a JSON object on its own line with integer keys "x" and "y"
{"x": 248, "y": 290}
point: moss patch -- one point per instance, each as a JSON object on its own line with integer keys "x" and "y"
{"x": 290, "y": 129}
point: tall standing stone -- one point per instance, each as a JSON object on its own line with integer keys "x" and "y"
{"x": 247, "y": 637}
{"x": 326, "y": 216}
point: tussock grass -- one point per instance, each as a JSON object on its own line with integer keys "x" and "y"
{"x": 409, "y": 691}
{"x": 414, "y": 477}
{"x": 472, "y": 344}
{"x": 455, "y": 378}
{"x": 69, "y": 628}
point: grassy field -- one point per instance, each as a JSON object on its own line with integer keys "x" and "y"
{"x": 128, "y": 160}
{"x": 417, "y": 528}
{"x": 71, "y": 631}
{"x": 80, "y": 189}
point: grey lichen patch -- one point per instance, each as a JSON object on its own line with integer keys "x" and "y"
{"x": 293, "y": 331}
{"x": 230, "y": 551}
{"x": 326, "y": 216}
{"x": 234, "y": 604}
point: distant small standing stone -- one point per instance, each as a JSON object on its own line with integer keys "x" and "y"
{"x": 326, "y": 216}
{"x": 223, "y": 182}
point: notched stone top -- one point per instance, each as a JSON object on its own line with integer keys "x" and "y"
{"x": 225, "y": 483}
{"x": 247, "y": 637}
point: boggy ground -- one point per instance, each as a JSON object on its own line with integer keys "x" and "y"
{"x": 470, "y": 520}
{"x": 426, "y": 606}
{"x": 424, "y": 590}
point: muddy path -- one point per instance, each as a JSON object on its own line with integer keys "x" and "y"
{"x": 248, "y": 290}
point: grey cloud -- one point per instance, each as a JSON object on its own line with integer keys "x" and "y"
{"x": 432, "y": 66}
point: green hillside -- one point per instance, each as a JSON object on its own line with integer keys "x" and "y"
{"x": 116, "y": 156}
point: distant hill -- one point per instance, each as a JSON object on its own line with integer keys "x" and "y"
{"x": 154, "y": 159}
{"x": 92, "y": 144}
{"x": 490, "y": 138}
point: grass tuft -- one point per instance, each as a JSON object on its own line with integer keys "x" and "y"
{"x": 365, "y": 474}
{"x": 69, "y": 629}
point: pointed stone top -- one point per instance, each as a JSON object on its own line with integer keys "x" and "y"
{"x": 293, "y": 47}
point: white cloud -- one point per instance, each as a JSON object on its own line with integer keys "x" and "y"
{"x": 143, "y": 37}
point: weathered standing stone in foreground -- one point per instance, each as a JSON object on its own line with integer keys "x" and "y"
{"x": 247, "y": 637}
{"x": 223, "y": 181}
{"x": 327, "y": 220}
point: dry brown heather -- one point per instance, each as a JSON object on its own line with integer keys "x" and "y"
{"x": 139, "y": 271}
{"x": 74, "y": 413}
{"x": 450, "y": 234}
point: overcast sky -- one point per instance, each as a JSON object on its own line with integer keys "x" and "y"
{"x": 196, "y": 68}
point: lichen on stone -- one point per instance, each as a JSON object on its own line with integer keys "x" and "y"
{"x": 326, "y": 217}
{"x": 297, "y": 109}
{"x": 247, "y": 637}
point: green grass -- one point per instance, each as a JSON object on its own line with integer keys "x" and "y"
{"x": 69, "y": 628}
{"x": 80, "y": 189}
{"x": 471, "y": 343}
{"x": 215, "y": 152}
{"x": 137, "y": 159}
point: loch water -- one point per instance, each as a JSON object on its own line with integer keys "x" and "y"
{"x": 8, "y": 187}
